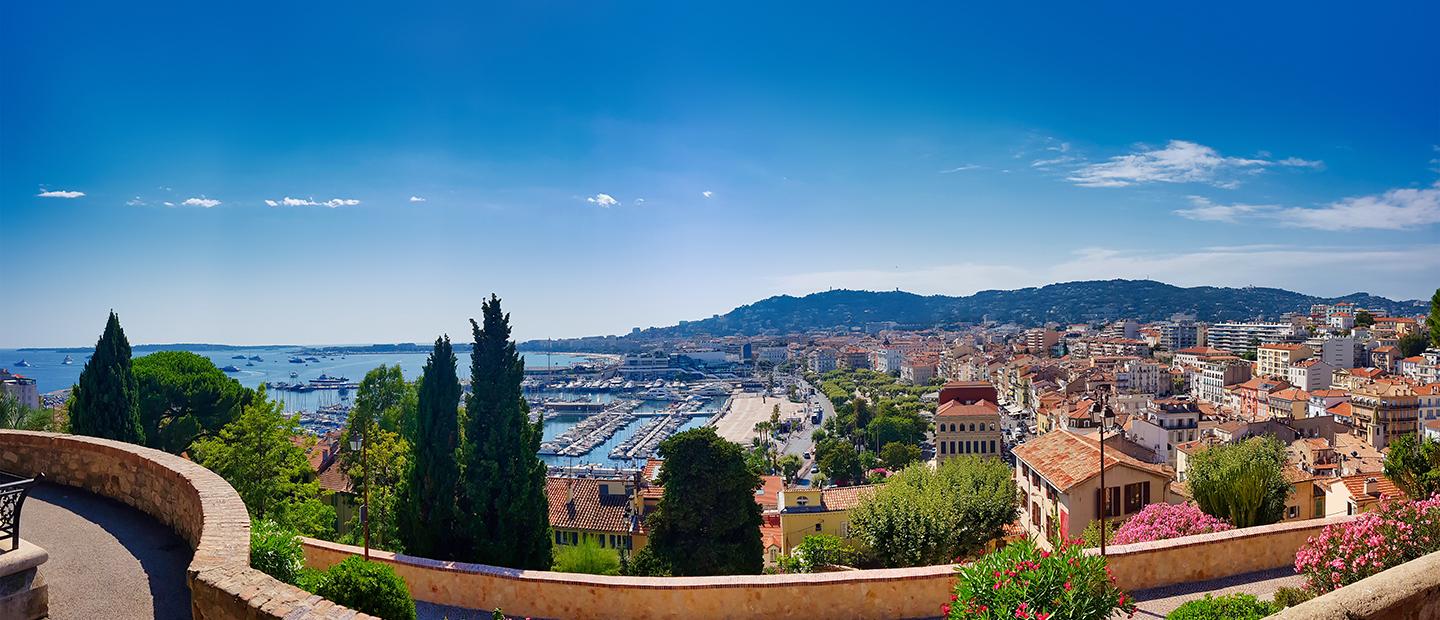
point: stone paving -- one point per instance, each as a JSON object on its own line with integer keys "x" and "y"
{"x": 107, "y": 560}
{"x": 1156, "y": 602}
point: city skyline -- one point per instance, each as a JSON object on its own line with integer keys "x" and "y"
{"x": 325, "y": 176}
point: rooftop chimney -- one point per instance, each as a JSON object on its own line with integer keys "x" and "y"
{"x": 1372, "y": 486}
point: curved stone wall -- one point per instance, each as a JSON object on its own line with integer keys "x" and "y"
{"x": 195, "y": 502}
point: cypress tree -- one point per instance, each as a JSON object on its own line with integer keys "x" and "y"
{"x": 503, "y": 493}
{"x": 429, "y": 523}
{"x": 105, "y": 401}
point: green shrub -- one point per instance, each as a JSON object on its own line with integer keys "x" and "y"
{"x": 816, "y": 551}
{"x": 1228, "y": 607}
{"x": 275, "y": 550}
{"x": 1021, "y": 581}
{"x": 310, "y": 579}
{"x": 588, "y": 557}
{"x": 368, "y": 587}
{"x": 1290, "y": 597}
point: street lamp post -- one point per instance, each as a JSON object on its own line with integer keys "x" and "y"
{"x": 362, "y": 444}
{"x": 1102, "y": 408}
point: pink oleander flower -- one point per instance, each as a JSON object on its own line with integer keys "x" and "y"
{"x": 1394, "y": 533}
{"x": 1162, "y": 521}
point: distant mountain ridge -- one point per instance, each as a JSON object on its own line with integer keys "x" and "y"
{"x": 1067, "y": 302}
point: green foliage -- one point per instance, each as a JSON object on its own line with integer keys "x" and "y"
{"x": 895, "y": 455}
{"x": 1413, "y": 343}
{"x": 820, "y": 550}
{"x": 386, "y": 399}
{"x": 105, "y": 399}
{"x": 14, "y": 414}
{"x": 1432, "y": 322}
{"x": 389, "y": 463}
{"x": 255, "y": 454}
{"x": 588, "y": 557}
{"x": 1290, "y": 597}
{"x": 923, "y": 516}
{"x": 1090, "y": 536}
{"x": 368, "y": 587}
{"x": 1242, "y": 483}
{"x": 183, "y": 397}
{"x": 1413, "y": 463}
{"x": 429, "y": 525}
{"x": 1021, "y": 581}
{"x": 1364, "y": 319}
{"x": 644, "y": 563}
{"x": 1228, "y": 607}
{"x": 707, "y": 522}
{"x": 790, "y": 465}
{"x": 839, "y": 461}
{"x": 503, "y": 480}
{"x": 276, "y": 551}
{"x": 310, "y": 579}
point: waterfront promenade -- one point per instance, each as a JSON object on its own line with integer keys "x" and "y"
{"x": 737, "y": 424}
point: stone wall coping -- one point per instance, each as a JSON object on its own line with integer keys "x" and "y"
{"x": 25, "y": 557}
{"x": 222, "y": 584}
{"x": 662, "y": 583}
{"x": 1171, "y": 544}
{"x": 1408, "y": 591}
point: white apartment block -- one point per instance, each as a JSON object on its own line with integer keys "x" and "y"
{"x": 1241, "y": 338}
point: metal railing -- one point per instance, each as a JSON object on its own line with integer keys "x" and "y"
{"x": 13, "y": 490}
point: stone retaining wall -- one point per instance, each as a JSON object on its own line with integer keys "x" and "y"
{"x": 1410, "y": 591}
{"x": 195, "y": 502}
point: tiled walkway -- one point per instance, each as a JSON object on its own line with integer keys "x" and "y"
{"x": 1156, "y": 602}
{"x": 107, "y": 560}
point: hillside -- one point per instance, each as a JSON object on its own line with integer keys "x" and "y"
{"x": 1067, "y": 302}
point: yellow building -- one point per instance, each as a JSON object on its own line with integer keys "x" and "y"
{"x": 608, "y": 512}
{"x": 1274, "y": 359}
{"x": 806, "y": 512}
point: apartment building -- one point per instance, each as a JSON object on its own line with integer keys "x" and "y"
{"x": 1274, "y": 359}
{"x": 1214, "y": 376}
{"x": 1310, "y": 374}
{"x": 1383, "y": 412}
{"x": 1058, "y": 478}
{"x": 1240, "y": 338}
{"x": 822, "y": 360}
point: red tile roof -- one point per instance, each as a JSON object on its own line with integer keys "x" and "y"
{"x": 845, "y": 498}
{"x": 1066, "y": 459}
{"x": 576, "y": 503}
{"x": 1384, "y": 487}
{"x": 956, "y": 409}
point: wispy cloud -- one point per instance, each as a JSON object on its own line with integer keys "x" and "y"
{"x": 201, "y": 202}
{"x": 639, "y": 201}
{"x": 1053, "y": 161}
{"x": 707, "y": 193}
{"x": 310, "y": 202}
{"x": 59, "y": 193}
{"x": 1202, "y": 209}
{"x": 135, "y": 202}
{"x": 1397, "y": 209}
{"x": 1178, "y": 161}
{"x": 168, "y": 203}
{"x": 603, "y": 200}
{"x": 961, "y": 168}
{"x": 417, "y": 199}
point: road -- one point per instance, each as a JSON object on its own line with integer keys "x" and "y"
{"x": 800, "y": 442}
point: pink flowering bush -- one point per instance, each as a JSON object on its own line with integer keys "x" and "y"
{"x": 1162, "y": 521}
{"x": 1344, "y": 553}
{"x": 1022, "y": 581}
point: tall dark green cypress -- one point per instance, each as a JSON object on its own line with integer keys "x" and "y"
{"x": 106, "y": 401}
{"x": 503, "y": 494}
{"x": 429, "y": 522}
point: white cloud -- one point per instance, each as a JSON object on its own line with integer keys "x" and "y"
{"x": 417, "y": 199}
{"x": 310, "y": 202}
{"x": 60, "y": 193}
{"x": 135, "y": 202}
{"x": 639, "y": 201}
{"x": 1054, "y": 161}
{"x": 604, "y": 200}
{"x": 1204, "y": 210}
{"x": 1311, "y": 269}
{"x": 1178, "y": 162}
{"x": 961, "y": 168}
{"x": 201, "y": 202}
{"x": 707, "y": 193}
{"x": 168, "y": 203}
{"x": 1396, "y": 209}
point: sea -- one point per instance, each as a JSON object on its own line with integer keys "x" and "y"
{"x": 50, "y": 373}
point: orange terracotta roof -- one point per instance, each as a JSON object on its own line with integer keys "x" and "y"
{"x": 1066, "y": 459}
{"x": 768, "y": 495}
{"x": 576, "y": 503}
{"x": 845, "y": 498}
{"x": 956, "y": 409}
{"x": 1328, "y": 393}
{"x": 1384, "y": 487}
{"x": 1281, "y": 346}
{"x": 1341, "y": 410}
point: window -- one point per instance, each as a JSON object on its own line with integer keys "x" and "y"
{"x": 1109, "y": 506}
{"x": 1292, "y": 512}
{"x": 1136, "y": 496}
{"x": 942, "y": 447}
{"x": 802, "y": 500}
{"x": 817, "y": 527}
{"x": 559, "y": 538}
{"x": 992, "y": 446}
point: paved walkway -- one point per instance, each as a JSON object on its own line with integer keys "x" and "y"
{"x": 1156, "y": 602}
{"x": 107, "y": 560}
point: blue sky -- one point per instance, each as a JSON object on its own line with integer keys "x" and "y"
{"x": 609, "y": 165}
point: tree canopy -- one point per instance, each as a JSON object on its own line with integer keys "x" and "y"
{"x": 256, "y": 455}
{"x": 1413, "y": 464}
{"x": 182, "y": 397}
{"x": 429, "y": 524}
{"x": 104, "y": 402}
{"x": 923, "y": 516}
{"x": 1243, "y": 483}
{"x": 1432, "y": 322}
{"x": 839, "y": 461}
{"x": 503, "y": 489}
{"x": 707, "y": 522}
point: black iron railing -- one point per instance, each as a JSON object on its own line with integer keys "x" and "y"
{"x": 13, "y": 490}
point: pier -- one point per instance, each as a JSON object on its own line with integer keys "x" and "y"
{"x": 592, "y": 431}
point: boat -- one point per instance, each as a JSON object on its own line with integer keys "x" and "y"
{"x": 230, "y": 368}
{"x": 22, "y": 364}
{"x": 294, "y": 374}
{"x": 249, "y": 363}
{"x": 68, "y": 360}
{"x": 237, "y": 357}
{"x": 256, "y": 358}
{"x": 296, "y": 360}
{"x": 327, "y": 380}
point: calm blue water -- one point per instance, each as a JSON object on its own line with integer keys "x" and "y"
{"x": 50, "y": 375}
